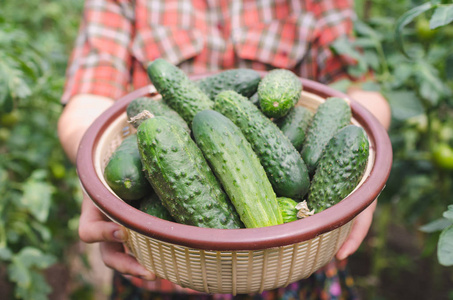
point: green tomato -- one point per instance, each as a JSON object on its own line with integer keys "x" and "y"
{"x": 442, "y": 155}
{"x": 4, "y": 134}
{"x": 58, "y": 170}
{"x": 9, "y": 119}
{"x": 424, "y": 33}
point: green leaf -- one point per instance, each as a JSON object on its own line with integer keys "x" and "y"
{"x": 38, "y": 289}
{"x": 405, "y": 19}
{"x": 436, "y": 225}
{"x": 5, "y": 254}
{"x": 443, "y": 15}
{"x": 37, "y": 197}
{"x": 343, "y": 46}
{"x": 33, "y": 257}
{"x": 431, "y": 85}
{"x": 404, "y": 104}
{"x": 19, "y": 273}
{"x": 449, "y": 213}
{"x": 445, "y": 247}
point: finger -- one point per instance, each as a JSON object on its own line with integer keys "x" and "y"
{"x": 358, "y": 232}
{"x": 95, "y": 227}
{"x": 114, "y": 257}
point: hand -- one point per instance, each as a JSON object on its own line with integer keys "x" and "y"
{"x": 95, "y": 227}
{"x": 358, "y": 232}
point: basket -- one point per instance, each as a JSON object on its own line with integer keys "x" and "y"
{"x": 234, "y": 261}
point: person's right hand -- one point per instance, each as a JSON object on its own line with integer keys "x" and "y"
{"x": 77, "y": 116}
{"x": 95, "y": 227}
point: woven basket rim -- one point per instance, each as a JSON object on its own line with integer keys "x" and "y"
{"x": 235, "y": 239}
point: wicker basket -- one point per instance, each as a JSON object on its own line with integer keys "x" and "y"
{"x": 232, "y": 261}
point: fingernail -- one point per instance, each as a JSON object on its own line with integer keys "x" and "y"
{"x": 147, "y": 275}
{"x": 119, "y": 235}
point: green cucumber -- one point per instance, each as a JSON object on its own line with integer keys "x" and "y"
{"x": 178, "y": 91}
{"x": 340, "y": 168}
{"x": 181, "y": 176}
{"x": 124, "y": 174}
{"x": 243, "y": 81}
{"x": 288, "y": 209}
{"x": 278, "y": 92}
{"x": 281, "y": 161}
{"x": 238, "y": 169}
{"x": 255, "y": 100}
{"x": 331, "y": 116}
{"x": 295, "y": 124}
{"x": 153, "y": 206}
{"x": 155, "y": 106}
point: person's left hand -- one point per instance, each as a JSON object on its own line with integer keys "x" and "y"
{"x": 358, "y": 232}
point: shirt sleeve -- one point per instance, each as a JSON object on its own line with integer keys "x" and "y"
{"x": 100, "y": 62}
{"x": 334, "y": 21}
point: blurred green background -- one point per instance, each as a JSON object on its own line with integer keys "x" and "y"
{"x": 408, "y": 252}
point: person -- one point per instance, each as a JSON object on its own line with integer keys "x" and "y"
{"x": 118, "y": 38}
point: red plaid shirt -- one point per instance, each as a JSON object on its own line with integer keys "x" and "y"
{"x": 118, "y": 38}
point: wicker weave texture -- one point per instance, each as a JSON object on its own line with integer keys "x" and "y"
{"x": 236, "y": 272}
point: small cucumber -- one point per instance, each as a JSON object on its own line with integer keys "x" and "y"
{"x": 124, "y": 173}
{"x": 178, "y": 91}
{"x": 331, "y": 116}
{"x": 278, "y": 92}
{"x": 243, "y": 81}
{"x": 340, "y": 168}
{"x": 181, "y": 176}
{"x": 238, "y": 169}
{"x": 155, "y": 106}
{"x": 288, "y": 209}
{"x": 153, "y": 206}
{"x": 295, "y": 124}
{"x": 281, "y": 161}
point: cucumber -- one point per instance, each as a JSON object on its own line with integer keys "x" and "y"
{"x": 243, "y": 81}
{"x": 278, "y": 92}
{"x": 331, "y": 116}
{"x": 181, "y": 176}
{"x": 288, "y": 209}
{"x": 255, "y": 100}
{"x": 178, "y": 91}
{"x": 155, "y": 106}
{"x": 295, "y": 124}
{"x": 124, "y": 174}
{"x": 340, "y": 168}
{"x": 238, "y": 169}
{"x": 281, "y": 161}
{"x": 153, "y": 206}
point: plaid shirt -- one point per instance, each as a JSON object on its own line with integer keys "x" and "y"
{"x": 118, "y": 38}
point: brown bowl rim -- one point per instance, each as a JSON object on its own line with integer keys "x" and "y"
{"x": 236, "y": 239}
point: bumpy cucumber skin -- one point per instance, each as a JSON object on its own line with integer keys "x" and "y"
{"x": 295, "y": 124}
{"x": 124, "y": 173}
{"x": 340, "y": 168}
{"x": 278, "y": 92}
{"x": 178, "y": 91}
{"x": 242, "y": 81}
{"x": 331, "y": 116}
{"x": 288, "y": 209}
{"x": 238, "y": 168}
{"x": 281, "y": 161}
{"x": 155, "y": 106}
{"x": 181, "y": 176}
{"x": 152, "y": 205}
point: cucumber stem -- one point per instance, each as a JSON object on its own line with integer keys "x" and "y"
{"x": 145, "y": 114}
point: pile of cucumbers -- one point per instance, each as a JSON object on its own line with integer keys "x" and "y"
{"x": 233, "y": 150}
